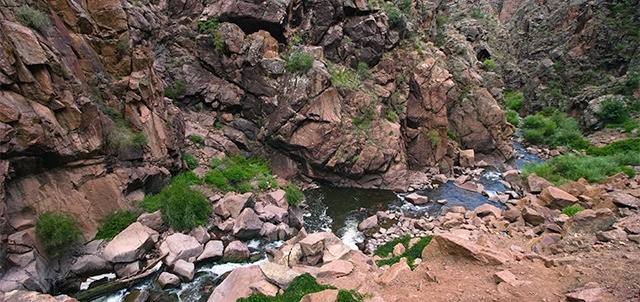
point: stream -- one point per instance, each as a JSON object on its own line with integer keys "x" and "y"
{"x": 339, "y": 210}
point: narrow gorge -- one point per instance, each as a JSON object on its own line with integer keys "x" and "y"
{"x": 211, "y": 150}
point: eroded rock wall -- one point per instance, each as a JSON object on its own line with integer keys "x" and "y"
{"x": 85, "y": 125}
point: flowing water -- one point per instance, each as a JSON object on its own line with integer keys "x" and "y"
{"x": 341, "y": 210}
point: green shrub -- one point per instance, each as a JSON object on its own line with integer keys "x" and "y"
{"x": 293, "y": 195}
{"x": 363, "y": 71}
{"x": 182, "y": 207}
{"x": 190, "y": 160}
{"x": 433, "y": 136}
{"x": 33, "y": 18}
{"x": 613, "y": 110}
{"x": 411, "y": 253}
{"x": 392, "y": 116}
{"x": 138, "y": 141}
{"x": 208, "y": 26}
{"x": 554, "y": 130}
{"x": 489, "y": 64}
{"x": 513, "y": 118}
{"x": 630, "y": 84}
{"x": 176, "y": 89}
{"x": 237, "y": 173}
{"x": 561, "y": 169}
{"x": 115, "y": 223}
{"x": 514, "y": 100}
{"x": 572, "y": 210}
{"x": 395, "y": 16}
{"x": 56, "y": 232}
{"x": 299, "y": 61}
{"x": 123, "y": 137}
{"x": 196, "y": 139}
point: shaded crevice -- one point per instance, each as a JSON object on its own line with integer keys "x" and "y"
{"x": 351, "y": 12}
{"x": 251, "y": 25}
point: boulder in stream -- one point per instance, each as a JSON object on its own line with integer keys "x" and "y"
{"x": 131, "y": 244}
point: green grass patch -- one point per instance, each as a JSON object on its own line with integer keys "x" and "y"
{"x": 343, "y": 77}
{"x": 490, "y": 65}
{"x": 553, "y": 129}
{"x": 115, "y": 223}
{"x": 293, "y": 195}
{"x": 513, "y": 118}
{"x": 572, "y": 210}
{"x": 299, "y": 61}
{"x": 300, "y": 286}
{"x": 182, "y": 207}
{"x": 240, "y": 174}
{"x": 123, "y": 137}
{"x": 196, "y": 139}
{"x": 514, "y": 100}
{"x": 56, "y": 232}
{"x": 190, "y": 160}
{"x": 623, "y": 146}
{"x": 411, "y": 253}
{"x": 561, "y": 169}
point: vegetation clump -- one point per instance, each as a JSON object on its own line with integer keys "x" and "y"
{"x": 56, "y": 232}
{"x": 299, "y": 287}
{"x": 196, "y": 139}
{"x": 177, "y": 89}
{"x": 513, "y": 118}
{"x": 572, "y": 210}
{"x": 561, "y": 169}
{"x": 33, "y": 18}
{"x": 124, "y": 137}
{"x": 490, "y": 65}
{"x": 240, "y": 174}
{"x": 411, "y": 254}
{"x": 514, "y": 100}
{"x": 553, "y": 129}
{"x": 190, "y": 160}
{"x": 115, "y": 223}
{"x": 182, "y": 207}
{"x": 299, "y": 61}
{"x": 293, "y": 195}
{"x": 613, "y": 110}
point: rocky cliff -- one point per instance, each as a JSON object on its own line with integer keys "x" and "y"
{"x": 96, "y": 98}
{"x": 572, "y": 53}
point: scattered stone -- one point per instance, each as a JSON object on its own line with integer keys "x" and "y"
{"x": 278, "y": 274}
{"x": 247, "y": 225}
{"x": 131, "y": 244}
{"x": 447, "y": 244}
{"x": 201, "y": 234}
{"x": 127, "y": 269}
{"x": 586, "y": 295}
{"x": 236, "y": 251}
{"x": 417, "y": 199}
{"x": 555, "y": 198}
{"x": 394, "y": 271}
{"x": 532, "y": 216}
{"x": 230, "y": 291}
{"x": 264, "y": 287}
{"x": 213, "y": 250}
{"x": 335, "y": 269}
{"x": 90, "y": 265}
{"x": 487, "y": 209}
{"x": 369, "y": 223}
{"x": 471, "y": 186}
{"x": 234, "y": 203}
{"x": 612, "y": 235}
{"x": 625, "y": 200}
{"x": 327, "y": 295}
{"x": 630, "y": 224}
{"x": 590, "y": 222}
{"x": 508, "y": 277}
{"x": 153, "y": 221}
{"x": 180, "y": 246}
{"x": 467, "y": 158}
{"x": 184, "y": 269}
{"x": 314, "y": 243}
{"x": 399, "y": 249}
{"x": 168, "y": 280}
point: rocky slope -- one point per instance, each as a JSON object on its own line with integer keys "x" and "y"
{"x": 572, "y": 53}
